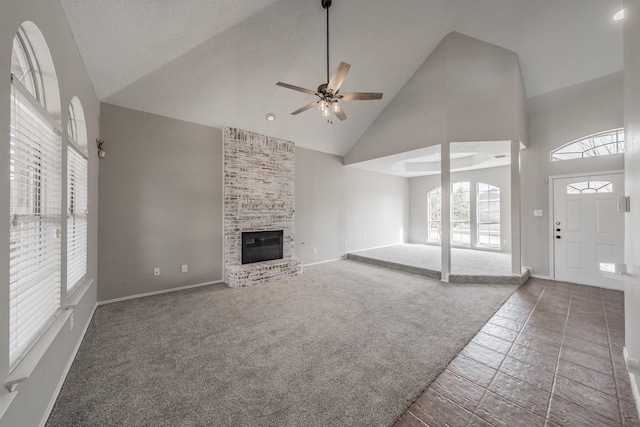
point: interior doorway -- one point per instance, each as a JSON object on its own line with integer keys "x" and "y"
{"x": 586, "y": 227}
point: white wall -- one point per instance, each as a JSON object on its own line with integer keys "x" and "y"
{"x": 555, "y": 119}
{"x": 632, "y": 173}
{"x": 335, "y": 204}
{"x": 35, "y": 394}
{"x": 420, "y": 186}
{"x": 466, "y": 90}
{"x": 160, "y": 203}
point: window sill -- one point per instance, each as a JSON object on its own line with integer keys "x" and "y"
{"x": 5, "y": 402}
{"x": 26, "y": 366}
{"x": 78, "y": 293}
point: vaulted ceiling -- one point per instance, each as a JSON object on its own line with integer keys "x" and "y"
{"x": 216, "y": 62}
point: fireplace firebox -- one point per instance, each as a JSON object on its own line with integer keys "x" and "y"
{"x": 261, "y": 246}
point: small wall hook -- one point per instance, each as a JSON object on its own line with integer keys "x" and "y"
{"x": 100, "y": 143}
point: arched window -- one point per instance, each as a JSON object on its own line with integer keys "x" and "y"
{"x": 461, "y": 213}
{"x": 472, "y": 224}
{"x": 600, "y": 144}
{"x": 433, "y": 203}
{"x": 77, "y": 176}
{"x": 590, "y": 187}
{"x": 24, "y": 66}
{"x": 35, "y": 192}
{"x": 488, "y": 216}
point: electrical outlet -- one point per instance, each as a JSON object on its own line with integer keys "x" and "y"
{"x": 156, "y": 271}
{"x": 365, "y": 238}
{"x": 184, "y": 268}
{"x": 345, "y": 242}
{"x": 71, "y": 322}
{"x": 315, "y": 251}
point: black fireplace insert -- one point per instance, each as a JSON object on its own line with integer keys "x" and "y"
{"x": 261, "y": 246}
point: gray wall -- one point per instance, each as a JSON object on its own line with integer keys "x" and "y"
{"x": 420, "y": 186}
{"x": 555, "y": 119}
{"x": 632, "y": 173}
{"x": 36, "y": 394}
{"x": 466, "y": 90}
{"x": 335, "y": 204}
{"x": 160, "y": 203}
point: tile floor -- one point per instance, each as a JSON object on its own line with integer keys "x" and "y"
{"x": 551, "y": 356}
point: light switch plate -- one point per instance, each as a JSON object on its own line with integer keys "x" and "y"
{"x": 537, "y": 212}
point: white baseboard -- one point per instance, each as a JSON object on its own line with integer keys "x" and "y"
{"x": 636, "y": 393}
{"x": 634, "y": 372}
{"x": 164, "y": 291}
{"x": 615, "y": 287}
{"x": 66, "y": 370}
{"x": 540, "y": 276}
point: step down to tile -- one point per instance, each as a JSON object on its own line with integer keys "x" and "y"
{"x": 512, "y": 279}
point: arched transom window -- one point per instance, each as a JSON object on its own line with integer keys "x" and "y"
{"x": 600, "y": 144}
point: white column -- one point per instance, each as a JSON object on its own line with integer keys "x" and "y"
{"x": 516, "y": 262}
{"x": 445, "y": 208}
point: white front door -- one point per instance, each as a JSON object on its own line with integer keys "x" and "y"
{"x": 587, "y": 228}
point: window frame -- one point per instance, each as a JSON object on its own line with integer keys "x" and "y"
{"x": 33, "y": 67}
{"x": 36, "y": 230}
{"x": 434, "y": 217}
{"x": 490, "y": 189}
{"x": 77, "y": 216}
{"x": 473, "y": 199}
{"x": 619, "y": 144}
{"x": 39, "y": 215}
{"x": 464, "y": 188}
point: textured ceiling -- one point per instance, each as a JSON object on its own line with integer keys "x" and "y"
{"x": 217, "y": 62}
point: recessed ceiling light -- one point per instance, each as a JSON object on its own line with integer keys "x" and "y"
{"x": 270, "y": 117}
{"x": 619, "y": 16}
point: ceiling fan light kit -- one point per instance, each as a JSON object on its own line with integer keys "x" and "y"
{"x": 329, "y": 93}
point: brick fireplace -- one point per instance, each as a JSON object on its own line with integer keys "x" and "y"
{"x": 259, "y": 196}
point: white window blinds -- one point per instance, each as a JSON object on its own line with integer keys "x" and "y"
{"x": 35, "y": 243}
{"x": 77, "y": 218}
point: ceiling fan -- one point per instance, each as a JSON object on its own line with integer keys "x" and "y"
{"x": 329, "y": 93}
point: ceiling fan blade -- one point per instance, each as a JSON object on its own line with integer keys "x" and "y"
{"x": 341, "y": 115}
{"x": 338, "y": 77}
{"x": 305, "y": 108}
{"x": 359, "y": 96}
{"x": 298, "y": 88}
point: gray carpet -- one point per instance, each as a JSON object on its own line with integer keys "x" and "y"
{"x": 344, "y": 344}
{"x": 463, "y": 261}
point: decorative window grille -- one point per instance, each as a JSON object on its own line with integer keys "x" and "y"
{"x": 600, "y": 144}
{"x": 590, "y": 187}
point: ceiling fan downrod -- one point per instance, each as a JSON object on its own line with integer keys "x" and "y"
{"x": 327, "y": 4}
{"x": 328, "y": 93}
